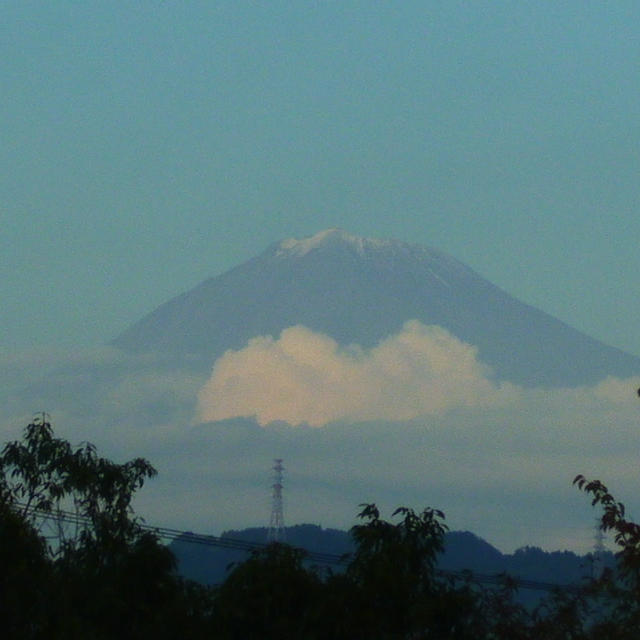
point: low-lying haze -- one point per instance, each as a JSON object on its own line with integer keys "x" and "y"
{"x": 498, "y": 459}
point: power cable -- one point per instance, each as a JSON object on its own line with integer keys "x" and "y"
{"x": 166, "y": 533}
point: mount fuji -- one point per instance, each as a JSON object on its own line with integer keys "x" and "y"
{"x": 361, "y": 290}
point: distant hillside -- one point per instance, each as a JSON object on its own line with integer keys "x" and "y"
{"x": 463, "y": 551}
{"x": 210, "y": 564}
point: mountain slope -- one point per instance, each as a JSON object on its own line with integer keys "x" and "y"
{"x": 463, "y": 551}
{"x": 360, "y": 290}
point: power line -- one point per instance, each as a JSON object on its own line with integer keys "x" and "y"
{"x": 166, "y": 533}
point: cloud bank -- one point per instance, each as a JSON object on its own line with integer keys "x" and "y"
{"x": 497, "y": 459}
{"x": 304, "y": 377}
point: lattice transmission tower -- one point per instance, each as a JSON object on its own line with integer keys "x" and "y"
{"x": 598, "y": 551}
{"x": 276, "y": 525}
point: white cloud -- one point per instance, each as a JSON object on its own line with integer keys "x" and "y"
{"x": 304, "y": 377}
{"x": 617, "y": 391}
{"x": 498, "y": 460}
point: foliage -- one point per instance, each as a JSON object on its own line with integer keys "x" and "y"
{"x": 270, "y": 595}
{"x": 24, "y": 575}
{"x": 626, "y": 532}
{"x": 106, "y": 576}
{"x": 408, "y": 549}
{"x": 391, "y": 589}
{"x": 42, "y": 475}
{"x": 617, "y": 592}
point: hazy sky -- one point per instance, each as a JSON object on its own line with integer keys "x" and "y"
{"x": 146, "y": 146}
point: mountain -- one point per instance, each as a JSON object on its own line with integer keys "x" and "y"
{"x": 360, "y": 290}
{"x": 463, "y": 551}
{"x": 211, "y": 564}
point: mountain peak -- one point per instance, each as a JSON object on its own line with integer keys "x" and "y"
{"x": 360, "y": 291}
{"x": 440, "y": 264}
{"x": 329, "y": 237}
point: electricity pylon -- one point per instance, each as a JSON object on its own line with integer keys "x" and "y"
{"x": 276, "y": 525}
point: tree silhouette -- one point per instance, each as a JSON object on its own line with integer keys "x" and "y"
{"x": 106, "y": 576}
{"x": 270, "y": 595}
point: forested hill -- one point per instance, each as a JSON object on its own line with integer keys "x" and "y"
{"x": 463, "y": 551}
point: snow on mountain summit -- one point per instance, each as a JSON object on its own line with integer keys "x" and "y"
{"x": 387, "y": 251}
{"x": 300, "y": 247}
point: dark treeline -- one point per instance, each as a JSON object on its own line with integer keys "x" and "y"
{"x": 207, "y": 559}
{"x": 101, "y": 575}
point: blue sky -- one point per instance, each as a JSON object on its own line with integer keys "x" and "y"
{"x": 149, "y": 145}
